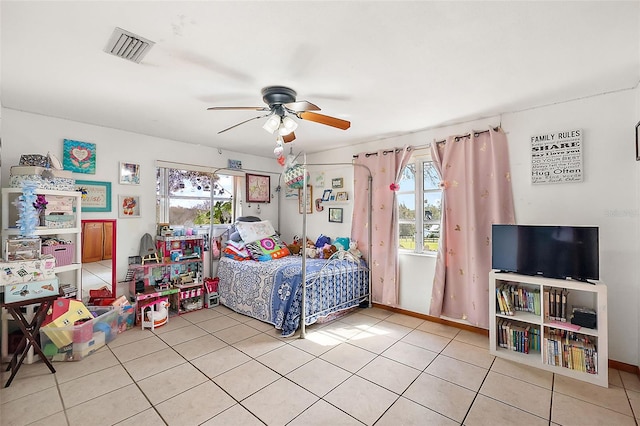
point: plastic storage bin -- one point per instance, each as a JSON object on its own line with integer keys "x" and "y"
{"x": 75, "y": 342}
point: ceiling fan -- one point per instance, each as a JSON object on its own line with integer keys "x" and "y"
{"x": 282, "y": 105}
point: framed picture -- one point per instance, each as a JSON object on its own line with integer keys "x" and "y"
{"x": 96, "y": 196}
{"x": 326, "y": 196}
{"x": 335, "y": 214}
{"x": 309, "y": 200}
{"x": 128, "y": 206}
{"x": 234, "y": 164}
{"x": 342, "y": 196}
{"x": 638, "y": 141}
{"x": 79, "y": 157}
{"x": 258, "y": 188}
{"x": 129, "y": 173}
{"x": 337, "y": 182}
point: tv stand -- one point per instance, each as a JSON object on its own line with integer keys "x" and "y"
{"x": 587, "y": 355}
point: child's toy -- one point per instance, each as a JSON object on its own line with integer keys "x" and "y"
{"x": 328, "y": 250}
{"x": 154, "y": 314}
{"x": 310, "y": 252}
{"x": 322, "y": 240}
{"x": 294, "y": 249}
{"x": 353, "y": 249}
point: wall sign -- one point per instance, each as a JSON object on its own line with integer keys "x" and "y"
{"x": 556, "y": 157}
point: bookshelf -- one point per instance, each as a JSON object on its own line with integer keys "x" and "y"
{"x": 531, "y": 331}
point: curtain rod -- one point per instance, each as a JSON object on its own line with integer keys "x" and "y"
{"x": 389, "y": 151}
{"x": 457, "y": 139}
{"x": 476, "y": 133}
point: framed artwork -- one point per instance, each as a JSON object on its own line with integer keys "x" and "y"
{"x": 96, "y": 196}
{"x": 258, "y": 188}
{"x": 638, "y": 141}
{"x": 342, "y": 196}
{"x": 129, "y": 173}
{"x": 337, "y": 182}
{"x": 309, "y": 200}
{"x": 79, "y": 157}
{"x": 326, "y": 196}
{"x": 234, "y": 164}
{"x": 128, "y": 206}
{"x": 335, "y": 214}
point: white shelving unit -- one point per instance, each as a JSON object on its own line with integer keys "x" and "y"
{"x": 74, "y": 234}
{"x": 581, "y": 294}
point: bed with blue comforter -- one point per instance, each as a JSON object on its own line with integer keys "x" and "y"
{"x": 271, "y": 291}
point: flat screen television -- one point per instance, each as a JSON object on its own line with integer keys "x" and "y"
{"x": 550, "y": 251}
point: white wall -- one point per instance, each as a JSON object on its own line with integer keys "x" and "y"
{"x": 608, "y": 197}
{"x": 25, "y": 133}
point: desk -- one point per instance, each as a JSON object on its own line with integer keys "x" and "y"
{"x": 30, "y": 329}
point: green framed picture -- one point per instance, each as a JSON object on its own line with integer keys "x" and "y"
{"x": 96, "y": 196}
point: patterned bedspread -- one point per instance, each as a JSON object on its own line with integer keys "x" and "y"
{"x": 271, "y": 291}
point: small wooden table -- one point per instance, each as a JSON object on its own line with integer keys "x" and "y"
{"x": 30, "y": 332}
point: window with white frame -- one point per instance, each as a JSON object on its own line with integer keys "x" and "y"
{"x": 184, "y": 197}
{"x": 419, "y": 207}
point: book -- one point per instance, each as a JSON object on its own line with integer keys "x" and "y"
{"x": 563, "y": 309}
{"x": 558, "y": 308}
{"x": 546, "y": 306}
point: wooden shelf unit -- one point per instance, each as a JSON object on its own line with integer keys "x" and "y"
{"x": 593, "y": 296}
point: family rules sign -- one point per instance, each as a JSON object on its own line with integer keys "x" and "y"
{"x": 556, "y": 157}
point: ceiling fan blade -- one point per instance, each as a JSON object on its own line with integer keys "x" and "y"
{"x": 299, "y": 106}
{"x": 289, "y": 138}
{"x": 325, "y": 119}
{"x": 237, "y": 108}
{"x": 245, "y": 121}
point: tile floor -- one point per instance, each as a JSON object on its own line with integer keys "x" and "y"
{"x": 372, "y": 367}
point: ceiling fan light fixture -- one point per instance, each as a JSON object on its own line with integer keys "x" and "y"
{"x": 272, "y": 124}
{"x": 288, "y": 125}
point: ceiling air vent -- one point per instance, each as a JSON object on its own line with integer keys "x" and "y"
{"x": 128, "y": 46}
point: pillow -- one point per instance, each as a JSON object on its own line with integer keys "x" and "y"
{"x": 248, "y": 219}
{"x": 253, "y": 231}
{"x": 268, "y": 248}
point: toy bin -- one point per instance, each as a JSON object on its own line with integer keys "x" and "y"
{"x": 126, "y": 317}
{"x": 62, "y": 252}
{"x": 75, "y": 342}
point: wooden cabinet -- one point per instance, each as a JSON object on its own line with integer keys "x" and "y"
{"x": 96, "y": 241}
{"x": 92, "y": 242}
{"x": 107, "y": 238}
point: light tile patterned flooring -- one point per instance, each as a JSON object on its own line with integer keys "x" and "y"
{"x": 372, "y": 367}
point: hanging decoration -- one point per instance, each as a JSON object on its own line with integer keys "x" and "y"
{"x": 27, "y": 214}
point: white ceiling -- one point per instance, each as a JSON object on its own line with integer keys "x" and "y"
{"x": 388, "y": 67}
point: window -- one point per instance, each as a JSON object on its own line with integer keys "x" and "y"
{"x": 419, "y": 192}
{"x": 184, "y": 197}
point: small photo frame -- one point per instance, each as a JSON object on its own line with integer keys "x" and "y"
{"x": 335, "y": 214}
{"x": 129, "y": 173}
{"x": 638, "y": 141}
{"x": 342, "y": 196}
{"x": 258, "y": 188}
{"x": 128, "y": 206}
{"x": 337, "y": 182}
{"x": 309, "y": 200}
{"x": 234, "y": 164}
{"x": 326, "y": 195}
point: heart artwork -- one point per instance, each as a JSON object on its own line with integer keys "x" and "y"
{"x": 80, "y": 154}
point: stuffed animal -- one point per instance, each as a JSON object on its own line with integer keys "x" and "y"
{"x": 353, "y": 249}
{"x": 311, "y": 252}
{"x": 294, "y": 249}
{"x": 328, "y": 250}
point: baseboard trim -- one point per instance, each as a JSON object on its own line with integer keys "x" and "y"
{"x": 466, "y": 327}
{"x": 616, "y": 365}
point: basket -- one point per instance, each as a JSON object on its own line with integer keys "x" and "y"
{"x": 59, "y": 221}
{"x": 62, "y": 252}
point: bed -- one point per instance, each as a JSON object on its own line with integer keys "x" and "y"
{"x": 271, "y": 292}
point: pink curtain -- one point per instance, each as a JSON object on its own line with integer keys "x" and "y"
{"x": 476, "y": 184}
{"x": 386, "y": 168}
